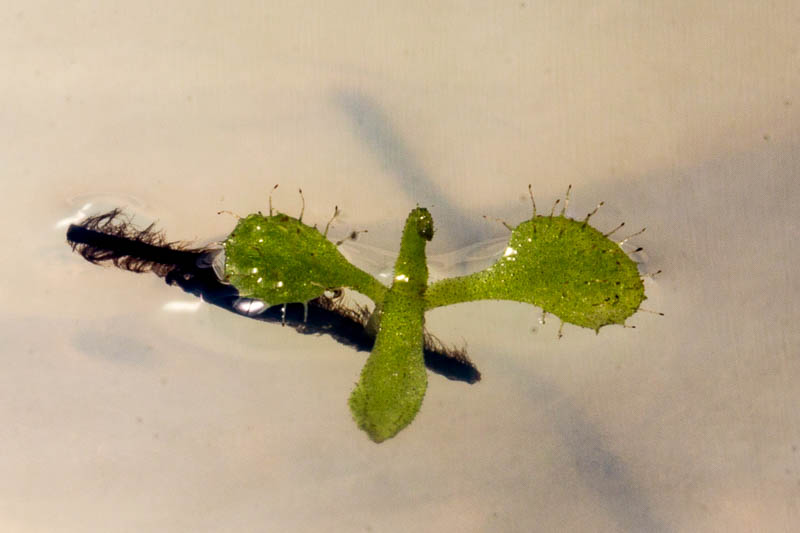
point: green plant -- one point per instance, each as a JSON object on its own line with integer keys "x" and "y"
{"x": 565, "y": 266}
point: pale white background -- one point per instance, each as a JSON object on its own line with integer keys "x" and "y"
{"x": 117, "y": 414}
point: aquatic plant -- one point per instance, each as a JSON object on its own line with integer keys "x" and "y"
{"x": 564, "y": 266}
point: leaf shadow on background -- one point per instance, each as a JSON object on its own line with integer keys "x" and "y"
{"x": 372, "y": 125}
{"x": 110, "y": 342}
{"x": 601, "y": 470}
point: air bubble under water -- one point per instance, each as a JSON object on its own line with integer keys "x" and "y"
{"x": 250, "y": 306}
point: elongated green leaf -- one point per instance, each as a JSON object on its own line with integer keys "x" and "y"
{"x": 393, "y": 381}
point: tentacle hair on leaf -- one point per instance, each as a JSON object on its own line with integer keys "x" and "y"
{"x": 112, "y": 237}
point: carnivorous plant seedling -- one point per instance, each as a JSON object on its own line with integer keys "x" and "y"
{"x": 564, "y": 266}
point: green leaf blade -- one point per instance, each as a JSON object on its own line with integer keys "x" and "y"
{"x": 278, "y": 259}
{"x": 564, "y": 266}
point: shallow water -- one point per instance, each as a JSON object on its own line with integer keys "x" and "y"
{"x": 129, "y": 405}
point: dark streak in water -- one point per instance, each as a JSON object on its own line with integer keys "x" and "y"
{"x": 112, "y": 238}
{"x": 603, "y": 471}
{"x": 374, "y": 128}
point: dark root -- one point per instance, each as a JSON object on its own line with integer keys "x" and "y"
{"x": 112, "y": 237}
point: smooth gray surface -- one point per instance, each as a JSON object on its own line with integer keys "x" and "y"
{"x": 120, "y": 413}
